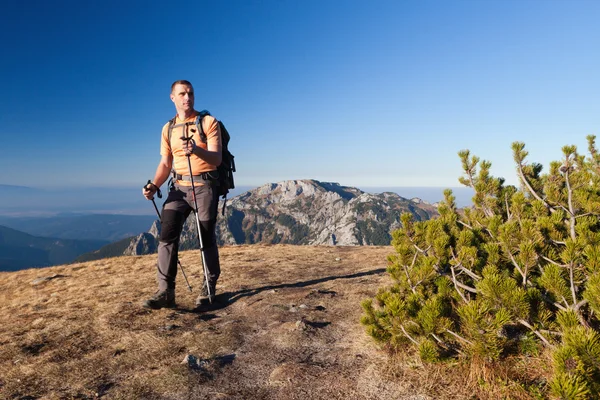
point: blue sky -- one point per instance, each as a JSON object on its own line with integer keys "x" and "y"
{"x": 364, "y": 94}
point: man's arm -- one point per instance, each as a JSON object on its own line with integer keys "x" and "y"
{"x": 162, "y": 174}
{"x": 211, "y": 156}
{"x": 163, "y": 170}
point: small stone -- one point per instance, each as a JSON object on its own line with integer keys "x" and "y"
{"x": 37, "y": 281}
{"x": 302, "y": 306}
{"x": 301, "y": 325}
{"x": 282, "y": 375}
{"x": 338, "y": 259}
{"x": 191, "y": 361}
{"x": 194, "y": 362}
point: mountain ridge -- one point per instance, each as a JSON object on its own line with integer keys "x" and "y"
{"x": 19, "y": 250}
{"x": 305, "y": 212}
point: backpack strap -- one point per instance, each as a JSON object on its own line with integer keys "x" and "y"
{"x": 198, "y": 124}
{"x": 171, "y": 124}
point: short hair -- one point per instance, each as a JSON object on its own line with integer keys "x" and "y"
{"x": 180, "y": 82}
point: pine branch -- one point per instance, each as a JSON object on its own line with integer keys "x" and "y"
{"x": 586, "y": 214}
{"x": 537, "y": 333}
{"x": 461, "y": 285}
{"x": 533, "y": 192}
{"x": 406, "y": 272}
{"x": 571, "y": 279}
{"x": 470, "y": 175}
{"x": 456, "y": 286}
{"x": 570, "y": 202}
{"x": 582, "y": 303}
{"x": 408, "y": 336}
{"x": 553, "y": 262}
{"x": 514, "y": 262}
{"x": 465, "y": 225}
{"x": 554, "y": 303}
{"x": 565, "y": 209}
{"x": 444, "y": 344}
{"x": 418, "y": 248}
{"x": 466, "y": 287}
{"x": 465, "y": 269}
{"x": 437, "y": 338}
{"x": 456, "y": 335}
{"x": 508, "y": 215}
{"x": 470, "y": 273}
{"x": 488, "y": 212}
{"x": 555, "y": 333}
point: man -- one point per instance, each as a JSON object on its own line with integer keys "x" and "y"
{"x": 204, "y": 153}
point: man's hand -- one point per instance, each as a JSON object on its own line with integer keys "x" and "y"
{"x": 188, "y": 146}
{"x": 149, "y": 190}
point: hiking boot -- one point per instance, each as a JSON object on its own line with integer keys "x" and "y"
{"x": 203, "y": 298}
{"x": 161, "y": 299}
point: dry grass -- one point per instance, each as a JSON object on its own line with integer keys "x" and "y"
{"x": 285, "y": 327}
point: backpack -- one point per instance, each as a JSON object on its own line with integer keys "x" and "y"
{"x": 227, "y": 167}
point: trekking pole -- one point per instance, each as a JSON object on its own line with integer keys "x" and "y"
{"x": 205, "y": 267}
{"x": 159, "y": 194}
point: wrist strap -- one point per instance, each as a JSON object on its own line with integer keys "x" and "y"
{"x": 158, "y": 192}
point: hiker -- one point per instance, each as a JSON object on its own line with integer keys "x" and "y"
{"x": 201, "y": 155}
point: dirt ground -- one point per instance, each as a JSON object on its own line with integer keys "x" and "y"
{"x": 285, "y": 326}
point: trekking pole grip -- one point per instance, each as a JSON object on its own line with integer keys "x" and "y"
{"x": 189, "y": 139}
{"x": 158, "y": 192}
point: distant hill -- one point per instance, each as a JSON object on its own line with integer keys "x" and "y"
{"x": 105, "y": 227}
{"x": 305, "y": 212}
{"x": 19, "y": 250}
{"x": 143, "y": 243}
{"x": 14, "y": 188}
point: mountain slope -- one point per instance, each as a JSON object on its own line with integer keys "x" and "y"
{"x": 313, "y": 212}
{"x": 304, "y": 212}
{"x": 20, "y": 250}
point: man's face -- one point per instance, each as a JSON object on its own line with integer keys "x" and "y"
{"x": 183, "y": 97}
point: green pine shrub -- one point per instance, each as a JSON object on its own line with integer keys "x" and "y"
{"x": 516, "y": 273}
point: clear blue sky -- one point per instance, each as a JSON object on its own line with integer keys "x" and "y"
{"x": 381, "y": 94}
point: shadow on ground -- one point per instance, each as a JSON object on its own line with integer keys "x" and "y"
{"x": 225, "y": 299}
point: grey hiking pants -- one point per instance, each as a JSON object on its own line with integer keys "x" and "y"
{"x": 176, "y": 209}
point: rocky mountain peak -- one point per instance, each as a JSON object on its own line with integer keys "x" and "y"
{"x": 289, "y": 191}
{"x": 155, "y": 229}
{"x": 303, "y": 211}
{"x": 312, "y": 212}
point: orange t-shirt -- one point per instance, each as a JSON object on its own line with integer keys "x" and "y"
{"x": 210, "y": 126}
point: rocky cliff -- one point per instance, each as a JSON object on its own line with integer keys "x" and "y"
{"x": 313, "y": 212}
{"x": 301, "y": 212}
